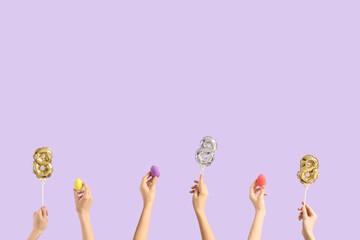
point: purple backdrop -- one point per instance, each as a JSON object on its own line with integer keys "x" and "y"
{"x": 114, "y": 87}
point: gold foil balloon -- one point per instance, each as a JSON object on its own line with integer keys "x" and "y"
{"x": 309, "y": 166}
{"x": 42, "y": 166}
{"x": 205, "y": 154}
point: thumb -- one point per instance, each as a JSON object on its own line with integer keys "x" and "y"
{"x": 154, "y": 181}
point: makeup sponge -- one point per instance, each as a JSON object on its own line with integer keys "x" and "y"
{"x": 78, "y": 185}
{"x": 261, "y": 180}
{"x": 155, "y": 171}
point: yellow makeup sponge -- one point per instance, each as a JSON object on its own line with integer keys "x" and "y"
{"x": 78, "y": 184}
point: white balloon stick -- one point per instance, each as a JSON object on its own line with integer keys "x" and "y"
{"x": 42, "y": 191}
{"x": 306, "y": 186}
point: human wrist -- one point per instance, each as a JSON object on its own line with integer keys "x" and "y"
{"x": 260, "y": 212}
{"x": 148, "y": 205}
{"x": 309, "y": 235}
{"x": 200, "y": 212}
{"x": 84, "y": 215}
{"x": 35, "y": 234}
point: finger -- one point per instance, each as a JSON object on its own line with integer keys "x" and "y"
{"x": 253, "y": 186}
{"x": 43, "y": 211}
{"x": 76, "y": 196}
{"x": 149, "y": 182}
{"x": 196, "y": 193}
{"x": 262, "y": 191}
{"x": 87, "y": 191}
{"x": 145, "y": 178}
{"x": 253, "y": 189}
{"x": 196, "y": 181}
{"x": 195, "y": 186}
{"x": 192, "y": 191}
{"x": 201, "y": 180}
{"x": 304, "y": 212}
{"x": 257, "y": 190}
{"x": 154, "y": 181}
{"x": 39, "y": 213}
{"x": 309, "y": 210}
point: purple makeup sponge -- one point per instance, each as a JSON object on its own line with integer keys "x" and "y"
{"x": 154, "y": 171}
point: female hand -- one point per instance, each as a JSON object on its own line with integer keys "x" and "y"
{"x": 40, "y": 219}
{"x": 147, "y": 189}
{"x": 309, "y": 218}
{"x": 40, "y": 222}
{"x": 257, "y": 197}
{"x": 83, "y": 200}
{"x": 200, "y": 195}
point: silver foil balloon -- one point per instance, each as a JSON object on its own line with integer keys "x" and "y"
{"x": 205, "y": 154}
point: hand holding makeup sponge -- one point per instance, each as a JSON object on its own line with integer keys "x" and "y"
{"x": 78, "y": 185}
{"x": 261, "y": 180}
{"x": 154, "y": 171}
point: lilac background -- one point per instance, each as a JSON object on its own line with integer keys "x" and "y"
{"x": 114, "y": 87}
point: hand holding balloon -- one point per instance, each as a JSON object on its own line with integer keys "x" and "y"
{"x": 200, "y": 195}
{"x": 309, "y": 218}
{"x": 40, "y": 222}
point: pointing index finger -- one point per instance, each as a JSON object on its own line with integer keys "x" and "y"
{"x": 201, "y": 180}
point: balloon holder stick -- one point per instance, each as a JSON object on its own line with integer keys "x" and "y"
{"x": 202, "y": 168}
{"x": 306, "y": 186}
{"x": 42, "y": 181}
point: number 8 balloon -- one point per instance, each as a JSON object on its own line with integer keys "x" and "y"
{"x": 308, "y": 171}
{"x": 205, "y": 154}
{"x": 42, "y": 166}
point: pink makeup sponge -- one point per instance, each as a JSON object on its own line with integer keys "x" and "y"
{"x": 155, "y": 171}
{"x": 261, "y": 180}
